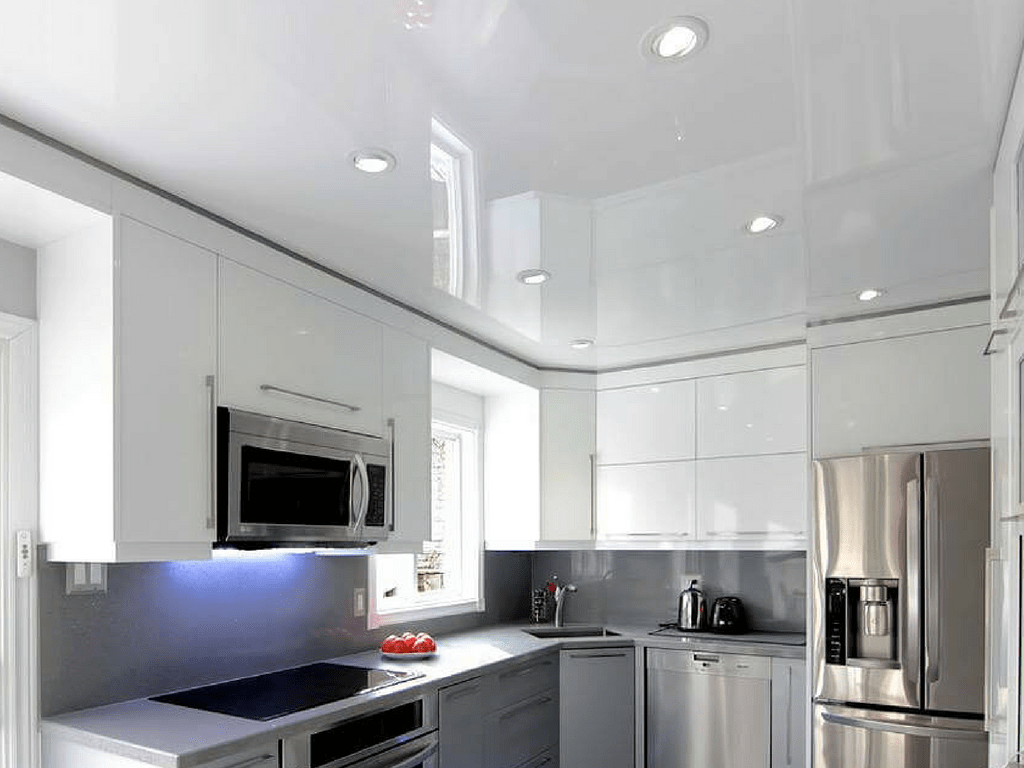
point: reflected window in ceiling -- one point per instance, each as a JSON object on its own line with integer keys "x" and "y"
{"x": 453, "y": 198}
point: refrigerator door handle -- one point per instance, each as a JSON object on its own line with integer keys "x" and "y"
{"x": 905, "y": 729}
{"x": 933, "y": 569}
{"x": 911, "y": 631}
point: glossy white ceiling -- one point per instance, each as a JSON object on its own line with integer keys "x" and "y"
{"x": 869, "y": 125}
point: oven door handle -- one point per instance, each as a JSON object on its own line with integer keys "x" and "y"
{"x": 358, "y": 464}
{"x": 391, "y": 760}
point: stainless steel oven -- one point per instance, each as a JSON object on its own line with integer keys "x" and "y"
{"x": 286, "y": 483}
{"x": 401, "y": 736}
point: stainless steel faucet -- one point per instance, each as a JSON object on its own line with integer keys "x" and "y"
{"x": 560, "y": 601}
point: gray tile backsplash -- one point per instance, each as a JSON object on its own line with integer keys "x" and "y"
{"x": 164, "y": 626}
{"x": 636, "y": 587}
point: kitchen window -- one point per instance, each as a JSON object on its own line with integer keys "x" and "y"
{"x": 453, "y": 199}
{"x": 445, "y": 577}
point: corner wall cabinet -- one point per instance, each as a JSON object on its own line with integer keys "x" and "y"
{"x": 127, "y": 360}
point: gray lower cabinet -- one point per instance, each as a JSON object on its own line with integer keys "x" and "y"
{"x": 461, "y": 710}
{"x": 507, "y": 719}
{"x": 597, "y": 708}
{"x": 789, "y": 712}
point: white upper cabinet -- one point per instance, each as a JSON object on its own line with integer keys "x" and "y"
{"x": 752, "y": 497}
{"x": 752, "y": 413}
{"x": 127, "y": 359}
{"x": 567, "y": 434}
{"x": 646, "y": 501}
{"x": 923, "y": 388}
{"x": 285, "y": 352}
{"x": 407, "y": 405}
{"x": 653, "y": 422}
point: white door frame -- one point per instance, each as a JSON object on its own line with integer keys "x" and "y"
{"x": 19, "y": 499}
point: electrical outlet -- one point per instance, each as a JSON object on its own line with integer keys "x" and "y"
{"x": 359, "y": 601}
{"x": 25, "y": 550}
{"x": 686, "y": 578}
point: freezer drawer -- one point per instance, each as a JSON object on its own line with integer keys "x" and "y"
{"x": 708, "y": 710}
{"x": 846, "y": 737}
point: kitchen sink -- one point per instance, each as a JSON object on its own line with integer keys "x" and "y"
{"x": 571, "y": 632}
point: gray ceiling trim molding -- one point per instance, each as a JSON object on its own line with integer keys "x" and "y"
{"x": 899, "y": 310}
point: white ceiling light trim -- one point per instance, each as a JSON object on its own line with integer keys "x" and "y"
{"x": 581, "y": 343}
{"x": 870, "y": 294}
{"x": 675, "y": 39}
{"x": 762, "y": 223}
{"x": 533, "y": 276}
{"x": 373, "y": 160}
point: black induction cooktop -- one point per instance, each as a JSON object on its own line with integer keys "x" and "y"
{"x": 264, "y": 697}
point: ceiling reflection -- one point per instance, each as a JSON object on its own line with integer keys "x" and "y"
{"x": 441, "y": 150}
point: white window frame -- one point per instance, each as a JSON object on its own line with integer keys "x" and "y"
{"x": 463, "y": 210}
{"x": 464, "y": 411}
{"x": 19, "y": 500}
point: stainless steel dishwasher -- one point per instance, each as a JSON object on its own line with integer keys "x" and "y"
{"x": 708, "y": 710}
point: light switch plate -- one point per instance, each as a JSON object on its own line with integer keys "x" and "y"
{"x": 85, "y": 578}
{"x": 359, "y": 601}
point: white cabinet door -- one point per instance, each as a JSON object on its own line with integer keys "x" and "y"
{"x": 167, "y": 349}
{"x": 407, "y": 405}
{"x": 597, "y": 713}
{"x": 288, "y": 353}
{"x": 567, "y": 427}
{"x": 752, "y": 497}
{"x": 789, "y": 710}
{"x": 648, "y": 423}
{"x": 752, "y": 413}
{"x": 928, "y": 388}
{"x": 636, "y": 501}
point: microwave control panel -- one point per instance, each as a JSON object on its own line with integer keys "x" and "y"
{"x": 376, "y": 514}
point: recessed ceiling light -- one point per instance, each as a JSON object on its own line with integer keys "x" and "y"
{"x": 373, "y": 160}
{"x": 763, "y": 223}
{"x": 870, "y": 294}
{"x": 675, "y": 39}
{"x": 581, "y": 343}
{"x": 533, "y": 276}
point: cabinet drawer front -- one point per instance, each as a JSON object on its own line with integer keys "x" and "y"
{"x": 523, "y": 730}
{"x": 524, "y": 680}
{"x": 461, "y": 724}
{"x": 546, "y": 759}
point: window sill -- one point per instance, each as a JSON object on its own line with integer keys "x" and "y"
{"x": 386, "y": 618}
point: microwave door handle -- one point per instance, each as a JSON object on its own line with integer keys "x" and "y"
{"x": 358, "y": 464}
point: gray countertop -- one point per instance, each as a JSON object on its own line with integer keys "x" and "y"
{"x": 177, "y": 737}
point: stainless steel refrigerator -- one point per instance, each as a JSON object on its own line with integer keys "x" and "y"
{"x": 897, "y": 610}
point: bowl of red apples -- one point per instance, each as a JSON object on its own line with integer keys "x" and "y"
{"x": 408, "y": 647}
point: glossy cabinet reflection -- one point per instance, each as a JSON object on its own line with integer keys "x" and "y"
{"x": 752, "y": 413}
{"x": 646, "y": 423}
{"x": 752, "y": 497}
{"x": 275, "y": 337}
{"x": 567, "y": 430}
{"x": 641, "y": 502}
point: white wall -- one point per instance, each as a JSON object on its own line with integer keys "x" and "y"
{"x": 17, "y": 279}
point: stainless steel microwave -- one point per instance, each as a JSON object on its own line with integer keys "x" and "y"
{"x": 284, "y": 483}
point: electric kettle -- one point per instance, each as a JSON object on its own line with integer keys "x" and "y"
{"x": 693, "y": 608}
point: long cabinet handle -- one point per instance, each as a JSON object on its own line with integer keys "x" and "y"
{"x": 315, "y": 398}
{"x": 593, "y": 495}
{"x": 462, "y": 692}
{"x": 598, "y": 655}
{"x": 1006, "y": 313}
{"x": 756, "y": 533}
{"x": 525, "y": 706}
{"x": 652, "y": 534}
{"x": 992, "y": 557}
{"x": 250, "y": 762}
{"x": 525, "y": 670}
{"x": 545, "y": 759}
{"x": 905, "y": 729}
{"x": 211, "y": 515}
